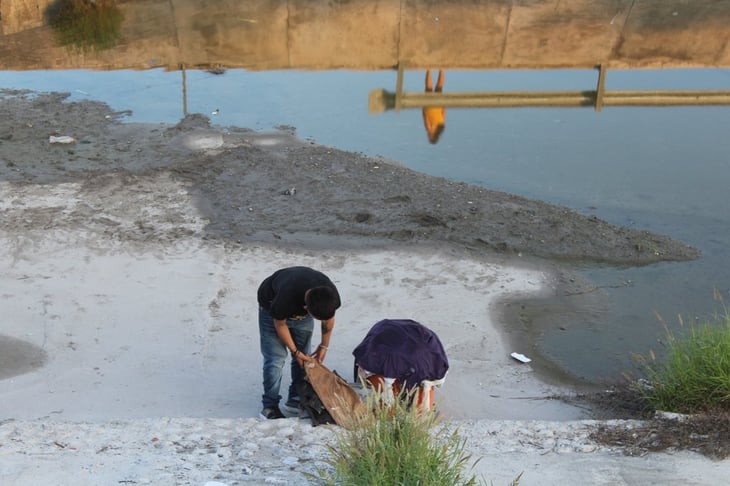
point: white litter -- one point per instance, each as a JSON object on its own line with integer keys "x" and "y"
{"x": 520, "y": 357}
{"x": 61, "y": 139}
{"x": 202, "y": 140}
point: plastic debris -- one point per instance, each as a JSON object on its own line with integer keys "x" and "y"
{"x": 61, "y": 139}
{"x": 520, "y": 357}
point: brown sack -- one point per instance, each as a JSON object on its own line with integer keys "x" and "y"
{"x": 339, "y": 398}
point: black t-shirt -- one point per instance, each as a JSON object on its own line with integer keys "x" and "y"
{"x": 282, "y": 293}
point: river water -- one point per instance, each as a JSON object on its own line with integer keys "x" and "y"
{"x": 662, "y": 169}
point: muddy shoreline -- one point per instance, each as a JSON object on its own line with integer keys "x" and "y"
{"x": 275, "y": 188}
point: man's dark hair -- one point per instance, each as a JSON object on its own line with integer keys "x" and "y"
{"x": 321, "y": 302}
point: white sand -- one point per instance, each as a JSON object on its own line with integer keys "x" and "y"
{"x": 153, "y": 372}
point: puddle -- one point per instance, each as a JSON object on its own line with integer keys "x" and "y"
{"x": 18, "y": 357}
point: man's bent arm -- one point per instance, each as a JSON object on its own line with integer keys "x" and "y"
{"x": 282, "y": 330}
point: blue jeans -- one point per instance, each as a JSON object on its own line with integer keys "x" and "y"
{"x": 274, "y": 352}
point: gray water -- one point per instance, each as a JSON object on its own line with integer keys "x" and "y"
{"x": 662, "y": 169}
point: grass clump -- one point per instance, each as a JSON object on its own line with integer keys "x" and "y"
{"x": 86, "y": 24}
{"x": 397, "y": 445}
{"x": 695, "y": 376}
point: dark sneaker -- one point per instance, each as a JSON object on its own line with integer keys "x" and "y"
{"x": 295, "y": 408}
{"x": 271, "y": 413}
{"x": 292, "y": 406}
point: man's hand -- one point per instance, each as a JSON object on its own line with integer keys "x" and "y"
{"x": 302, "y": 358}
{"x": 320, "y": 353}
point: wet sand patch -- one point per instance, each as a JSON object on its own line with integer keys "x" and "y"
{"x": 18, "y": 357}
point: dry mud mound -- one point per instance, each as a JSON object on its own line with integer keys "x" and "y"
{"x": 255, "y": 187}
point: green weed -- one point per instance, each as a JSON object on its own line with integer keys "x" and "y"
{"x": 397, "y": 445}
{"x": 695, "y": 375}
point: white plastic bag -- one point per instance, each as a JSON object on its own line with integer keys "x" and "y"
{"x": 61, "y": 139}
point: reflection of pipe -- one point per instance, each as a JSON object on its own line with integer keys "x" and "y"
{"x": 381, "y": 100}
{"x": 184, "y": 91}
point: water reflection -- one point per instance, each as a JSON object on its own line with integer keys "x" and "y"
{"x": 380, "y": 100}
{"x": 380, "y": 34}
{"x": 434, "y": 117}
{"x": 85, "y": 24}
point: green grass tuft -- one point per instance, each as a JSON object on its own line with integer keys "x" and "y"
{"x": 397, "y": 445}
{"x": 695, "y": 375}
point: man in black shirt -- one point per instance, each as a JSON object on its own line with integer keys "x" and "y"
{"x": 289, "y": 301}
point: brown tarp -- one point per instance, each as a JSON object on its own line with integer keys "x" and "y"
{"x": 339, "y": 398}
